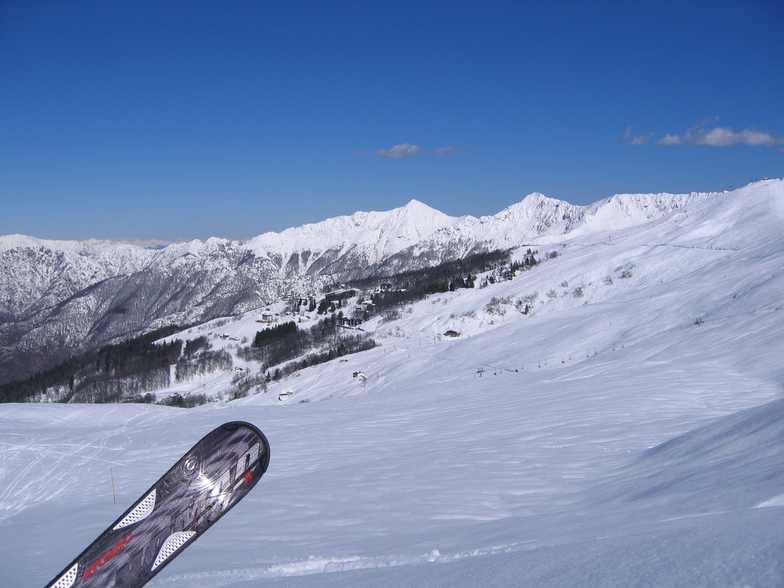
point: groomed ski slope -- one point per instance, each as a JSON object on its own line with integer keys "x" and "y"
{"x": 628, "y": 431}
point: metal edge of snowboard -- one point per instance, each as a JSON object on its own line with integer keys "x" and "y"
{"x": 67, "y": 578}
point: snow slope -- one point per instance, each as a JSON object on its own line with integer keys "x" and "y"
{"x": 628, "y": 431}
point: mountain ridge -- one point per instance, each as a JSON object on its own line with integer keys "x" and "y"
{"x": 422, "y": 217}
{"x": 61, "y": 296}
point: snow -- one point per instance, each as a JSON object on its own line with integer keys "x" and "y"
{"x": 377, "y": 234}
{"x": 628, "y": 431}
{"x": 536, "y": 219}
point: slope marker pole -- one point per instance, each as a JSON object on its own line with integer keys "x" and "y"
{"x": 114, "y": 494}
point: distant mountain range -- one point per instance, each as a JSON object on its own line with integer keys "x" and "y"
{"x": 58, "y": 297}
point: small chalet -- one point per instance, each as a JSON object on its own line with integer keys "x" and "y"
{"x": 266, "y": 317}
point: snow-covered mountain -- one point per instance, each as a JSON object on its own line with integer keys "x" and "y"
{"x": 60, "y": 296}
{"x": 627, "y": 430}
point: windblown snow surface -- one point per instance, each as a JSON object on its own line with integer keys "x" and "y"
{"x": 627, "y": 431}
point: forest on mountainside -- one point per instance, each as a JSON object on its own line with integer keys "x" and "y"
{"x": 131, "y": 371}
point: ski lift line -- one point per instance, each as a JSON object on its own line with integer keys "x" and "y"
{"x": 500, "y": 369}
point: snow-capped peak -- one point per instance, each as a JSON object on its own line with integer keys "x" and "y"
{"x": 384, "y": 233}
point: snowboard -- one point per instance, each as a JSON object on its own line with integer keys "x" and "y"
{"x": 206, "y": 482}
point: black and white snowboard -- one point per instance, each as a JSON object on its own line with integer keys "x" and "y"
{"x": 199, "y": 489}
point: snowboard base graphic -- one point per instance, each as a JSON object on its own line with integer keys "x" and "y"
{"x": 206, "y": 482}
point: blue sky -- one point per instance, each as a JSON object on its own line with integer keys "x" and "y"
{"x": 164, "y": 119}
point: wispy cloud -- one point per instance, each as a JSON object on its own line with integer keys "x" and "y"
{"x": 632, "y": 139}
{"x": 408, "y": 150}
{"x": 399, "y": 151}
{"x": 722, "y": 137}
{"x": 706, "y": 134}
{"x": 448, "y": 150}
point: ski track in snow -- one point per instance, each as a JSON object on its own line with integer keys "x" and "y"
{"x": 321, "y": 565}
{"x": 627, "y": 433}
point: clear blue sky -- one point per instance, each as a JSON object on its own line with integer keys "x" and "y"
{"x": 181, "y": 119}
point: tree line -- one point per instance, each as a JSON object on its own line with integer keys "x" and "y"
{"x": 111, "y": 374}
{"x": 128, "y": 371}
{"x": 415, "y": 285}
{"x": 286, "y": 342}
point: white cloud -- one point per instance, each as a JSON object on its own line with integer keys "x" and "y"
{"x": 722, "y": 137}
{"x": 669, "y": 140}
{"x": 711, "y": 136}
{"x": 399, "y": 151}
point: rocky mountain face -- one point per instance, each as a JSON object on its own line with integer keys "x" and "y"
{"x": 58, "y": 297}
